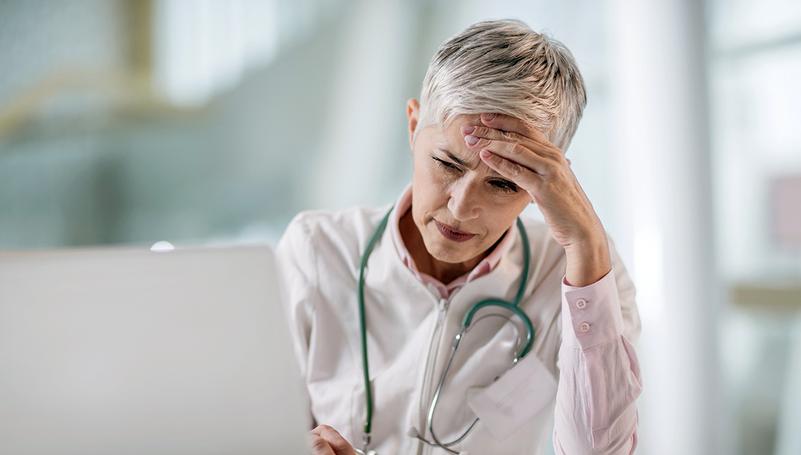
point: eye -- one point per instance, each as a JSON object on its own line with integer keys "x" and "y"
{"x": 504, "y": 185}
{"x": 448, "y": 166}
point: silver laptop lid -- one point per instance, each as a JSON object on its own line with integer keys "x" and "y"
{"x": 128, "y": 351}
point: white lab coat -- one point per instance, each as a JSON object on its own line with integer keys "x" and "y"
{"x": 410, "y": 330}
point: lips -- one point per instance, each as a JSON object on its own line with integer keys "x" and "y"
{"x": 453, "y": 234}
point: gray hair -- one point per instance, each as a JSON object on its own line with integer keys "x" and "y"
{"x": 504, "y": 66}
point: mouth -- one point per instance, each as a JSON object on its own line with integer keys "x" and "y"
{"x": 452, "y": 234}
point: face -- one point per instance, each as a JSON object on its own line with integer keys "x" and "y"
{"x": 460, "y": 206}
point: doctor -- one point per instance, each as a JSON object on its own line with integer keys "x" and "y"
{"x": 444, "y": 323}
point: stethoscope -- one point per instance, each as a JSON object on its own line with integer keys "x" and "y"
{"x": 466, "y": 324}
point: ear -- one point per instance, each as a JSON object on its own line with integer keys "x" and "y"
{"x": 413, "y": 115}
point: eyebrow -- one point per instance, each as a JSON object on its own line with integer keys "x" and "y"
{"x": 453, "y": 157}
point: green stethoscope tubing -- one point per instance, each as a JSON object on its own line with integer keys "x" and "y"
{"x": 468, "y": 318}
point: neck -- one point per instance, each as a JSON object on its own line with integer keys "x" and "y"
{"x": 445, "y": 272}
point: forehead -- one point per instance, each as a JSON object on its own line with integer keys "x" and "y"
{"x": 449, "y": 138}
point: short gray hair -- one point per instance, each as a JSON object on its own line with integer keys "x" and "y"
{"x": 504, "y": 66}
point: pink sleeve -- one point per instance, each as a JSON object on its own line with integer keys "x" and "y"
{"x": 599, "y": 379}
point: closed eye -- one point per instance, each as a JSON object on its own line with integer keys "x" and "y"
{"x": 499, "y": 184}
{"x": 448, "y": 166}
{"x": 504, "y": 185}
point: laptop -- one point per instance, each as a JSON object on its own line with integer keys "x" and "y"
{"x": 131, "y": 351}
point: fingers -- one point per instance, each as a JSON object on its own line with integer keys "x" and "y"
{"x": 320, "y": 446}
{"x": 514, "y": 146}
{"x": 521, "y": 175}
{"x": 513, "y": 125}
{"x": 335, "y": 442}
{"x": 519, "y": 154}
{"x": 485, "y": 134}
{"x": 511, "y": 146}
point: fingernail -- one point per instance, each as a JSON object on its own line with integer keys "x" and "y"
{"x": 467, "y": 129}
{"x": 488, "y": 116}
{"x": 470, "y": 139}
{"x": 485, "y": 154}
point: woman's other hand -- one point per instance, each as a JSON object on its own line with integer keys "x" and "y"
{"x": 325, "y": 440}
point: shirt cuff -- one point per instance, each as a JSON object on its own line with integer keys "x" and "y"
{"x": 591, "y": 314}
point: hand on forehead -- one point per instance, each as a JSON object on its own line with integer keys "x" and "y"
{"x": 502, "y": 124}
{"x": 509, "y": 124}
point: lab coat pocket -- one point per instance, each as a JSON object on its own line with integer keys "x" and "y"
{"x": 514, "y": 398}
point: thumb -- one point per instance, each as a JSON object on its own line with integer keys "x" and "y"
{"x": 319, "y": 445}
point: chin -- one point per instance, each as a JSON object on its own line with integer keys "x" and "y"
{"x": 451, "y": 252}
{"x": 450, "y": 257}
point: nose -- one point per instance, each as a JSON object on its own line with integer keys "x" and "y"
{"x": 464, "y": 201}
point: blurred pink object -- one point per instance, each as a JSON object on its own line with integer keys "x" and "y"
{"x": 786, "y": 211}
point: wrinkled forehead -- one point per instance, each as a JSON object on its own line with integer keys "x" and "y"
{"x": 448, "y": 137}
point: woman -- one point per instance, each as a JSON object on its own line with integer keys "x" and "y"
{"x": 379, "y": 295}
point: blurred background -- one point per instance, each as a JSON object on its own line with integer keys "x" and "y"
{"x": 203, "y": 121}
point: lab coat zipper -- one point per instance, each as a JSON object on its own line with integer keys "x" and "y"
{"x": 431, "y": 363}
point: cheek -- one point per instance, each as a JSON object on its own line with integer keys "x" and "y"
{"x": 431, "y": 184}
{"x": 501, "y": 215}
{"x": 494, "y": 221}
{"x": 434, "y": 176}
